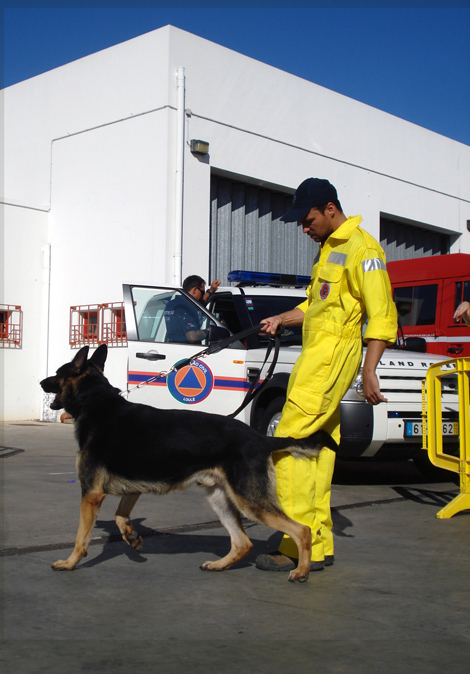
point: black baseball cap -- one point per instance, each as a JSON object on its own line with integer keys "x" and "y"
{"x": 312, "y": 193}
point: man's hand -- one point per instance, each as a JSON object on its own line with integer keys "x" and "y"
{"x": 463, "y": 311}
{"x": 270, "y": 325}
{"x": 293, "y": 317}
{"x": 371, "y": 388}
{"x": 370, "y": 382}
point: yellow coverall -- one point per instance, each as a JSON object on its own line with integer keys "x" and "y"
{"x": 349, "y": 284}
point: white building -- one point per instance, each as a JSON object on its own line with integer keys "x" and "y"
{"x": 101, "y": 186}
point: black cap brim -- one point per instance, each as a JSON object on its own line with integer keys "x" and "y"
{"x": 294, "y": 214}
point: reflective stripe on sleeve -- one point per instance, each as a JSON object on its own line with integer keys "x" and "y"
{"x": 373, "y": 265}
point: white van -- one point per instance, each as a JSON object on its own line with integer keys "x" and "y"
{"x": 219, "y": 383}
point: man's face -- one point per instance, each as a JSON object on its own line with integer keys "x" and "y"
{"x": 317, "y": 225}
{"x": 198, "y": 291}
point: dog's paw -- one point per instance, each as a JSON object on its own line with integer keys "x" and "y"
{"x": 296, "y": 576}
{"x": 62, "y": 565}
{"x": 134, "y": 540}
{"x": 211, "y": 566}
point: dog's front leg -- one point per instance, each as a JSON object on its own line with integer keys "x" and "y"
{"x": 89, "y": 509}
{"x": 230, "y": 518}
{"x": 122, "y": 516}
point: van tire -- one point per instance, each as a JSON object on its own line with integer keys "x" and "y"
{"x": 271, "y": 416}
{"x": 432, "y": 472}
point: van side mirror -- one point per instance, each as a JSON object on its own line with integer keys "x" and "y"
{"x": 415, "y": 344}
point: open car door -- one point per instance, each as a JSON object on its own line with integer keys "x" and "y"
{"x": 165, "y": 326}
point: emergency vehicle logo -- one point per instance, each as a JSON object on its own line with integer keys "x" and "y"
{"x": 192, "y": 384}
{"x": 324, "y": 291}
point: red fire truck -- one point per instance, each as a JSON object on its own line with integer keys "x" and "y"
{"x": 427, "y": 291}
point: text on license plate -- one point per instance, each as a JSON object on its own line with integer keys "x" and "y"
{"x": 415, "y": 428}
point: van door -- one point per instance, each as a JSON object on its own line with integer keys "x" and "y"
{"x": 165, "y": 326}
{"x": 456, "y": 291}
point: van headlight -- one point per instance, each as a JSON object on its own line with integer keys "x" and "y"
{"x": 358, "y": 385}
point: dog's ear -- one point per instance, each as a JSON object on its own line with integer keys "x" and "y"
{"x": 80, "y": 359}
{"x": 99, "y": 357}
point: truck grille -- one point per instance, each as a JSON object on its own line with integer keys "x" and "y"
{"x": 409, "y": 387}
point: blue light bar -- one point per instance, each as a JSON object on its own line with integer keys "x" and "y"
{"x": 266, "y": 278}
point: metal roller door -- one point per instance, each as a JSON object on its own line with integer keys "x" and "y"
{"x": 246, "y": 232}
{"x": 404, "y": 242}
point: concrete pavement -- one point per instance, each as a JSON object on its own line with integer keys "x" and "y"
{"x": 396, "y": 600}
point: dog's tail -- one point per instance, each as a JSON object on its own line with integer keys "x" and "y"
{"x": 305, "y": 448}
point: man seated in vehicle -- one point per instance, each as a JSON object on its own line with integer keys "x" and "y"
{"x": 183, "y": 320}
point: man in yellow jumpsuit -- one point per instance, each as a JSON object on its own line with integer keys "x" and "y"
{"x": 349, "y": 285}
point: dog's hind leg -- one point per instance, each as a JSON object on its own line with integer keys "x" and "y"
{"x": 230, "y": 518}
{"x": 300, "y": 534}
{"x": 89, "y": 509}
{"x": 123, "y": 512}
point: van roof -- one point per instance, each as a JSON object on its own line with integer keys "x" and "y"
{"x": 429, "y": 268}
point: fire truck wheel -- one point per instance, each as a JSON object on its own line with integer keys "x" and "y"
{"x": 271, "y": 416}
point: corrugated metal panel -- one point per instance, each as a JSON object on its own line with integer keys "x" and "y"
{"x": 246, "y": 232}
{"x": 405, "y": 242}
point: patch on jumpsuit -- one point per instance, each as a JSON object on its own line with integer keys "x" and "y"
{"x": 324, "y": 290}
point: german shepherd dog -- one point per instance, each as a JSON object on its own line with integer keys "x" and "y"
{"x": 128, "y": 449}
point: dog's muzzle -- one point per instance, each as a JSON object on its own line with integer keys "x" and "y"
{"x": 50, "y": 385}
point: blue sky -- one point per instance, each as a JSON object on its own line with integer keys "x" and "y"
{"x": 411, "y": 62}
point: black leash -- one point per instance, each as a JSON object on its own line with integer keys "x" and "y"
{"x": 219, "y": 346}
{"x": 254, "y": 390}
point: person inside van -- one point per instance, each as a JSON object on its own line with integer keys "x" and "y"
{"x": 182, "y": 318}
{"x": 463, "y": 312}
{"x": 196, "y": 286}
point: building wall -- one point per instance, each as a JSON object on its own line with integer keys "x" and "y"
{"x": 278, "y": 128}
{"x": 25, "y": 285}
{"x": 90, "y": 144}
{"x": 114, "y": 84}
{"x": 90, "y": 152}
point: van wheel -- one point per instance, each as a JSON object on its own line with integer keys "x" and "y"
{"x": 432, "y": 472}
{"x": 271, "y": 416}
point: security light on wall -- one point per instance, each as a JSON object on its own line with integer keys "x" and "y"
{"x": 199, "y": 147}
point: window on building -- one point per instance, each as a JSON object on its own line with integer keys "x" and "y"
{"x": 84, "y": 325}
{"x": 11, "y": 328}
{"x": 4, "y": 317}
{"x": 416, "y": 305}
{"x": 114, "y": 324}
{"x": 89, "y": 325}
{"x": 98, "y": 324}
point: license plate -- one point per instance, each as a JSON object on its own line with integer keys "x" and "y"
{"x": 414, "y": 429}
